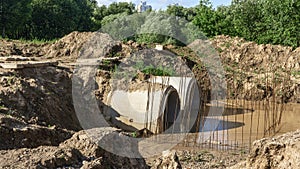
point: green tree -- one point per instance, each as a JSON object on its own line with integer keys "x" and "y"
{"x": 123, "y": 26}
{"x": 180, "y": 11}
{"x": 280, "y": 22}
{"x": 247, "y": 18}
{"x": 267, "y": 21}
{"x": 224, "y": 24}
{"x": 206, "y": 18}
{"x": 86, "y": 14}
{"x": 160, "y": 28}
{"x": 53, "y": 18}
{"x": 98, "y": 15}
{"x": 103, "y": 15}
{"x": 110, "y": 18}
{"x": 14, "y": 15}
{"x": 120, "y": 7}
{"x": 189, "y": 13}
{"x": 175, "y": 10}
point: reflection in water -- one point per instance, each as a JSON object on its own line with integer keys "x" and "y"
{"x": 221, "y": 125}
{"x": 239, "y": 127}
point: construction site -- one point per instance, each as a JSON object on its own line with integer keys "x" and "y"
{"x": 54, "y": 95}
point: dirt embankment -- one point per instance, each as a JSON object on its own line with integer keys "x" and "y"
{"x": 253, "y": 72}
{"x": 260, "y": 71}
{"x": 278, "y": 152}
{"x": 37, "y": 115}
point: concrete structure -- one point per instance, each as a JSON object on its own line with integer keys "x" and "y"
{"x": 159, "y": 47}
{"x": 142, "y": 7}
{"x": 171, "y": 108}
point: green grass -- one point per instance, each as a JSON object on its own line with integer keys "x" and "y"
{"x": 296, "y": 73}
{"x": 219, "y": 50}
{"x": 106, "y": 62}
{"x": 150, "y": 70}
{"x": 1, "y": 38}
{"x": 155, "y": 71}
{"x": 32, "y": 41}
{"x": 134, "y": 134}
{"x": 37, "y": 41}
{"x": 2, "y": 107}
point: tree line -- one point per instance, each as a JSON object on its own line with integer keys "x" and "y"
{"x": 50, "y": 19}
{"x": 262, "y": 21}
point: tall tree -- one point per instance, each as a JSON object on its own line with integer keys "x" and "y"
{"x": 98, "y": 15}
{"x": 247, "y": 18}
{"x": 206, "y": 18}
{"x": 85, "y": 15}
{"x": 180, "y": 11}
{"x": 14, "y": 15}
{"x": 120, "y": 7}
{"x": 280, "y": 22}
{"x": 267, "y": 21}
{"x": 53, "y": 18}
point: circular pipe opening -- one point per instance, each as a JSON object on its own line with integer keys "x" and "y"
{"x": 171, "y": 110}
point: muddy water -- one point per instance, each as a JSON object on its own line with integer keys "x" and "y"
{"x": 243, "y": 122}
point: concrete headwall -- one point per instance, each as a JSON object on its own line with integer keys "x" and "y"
{"x": 172, "y": 107}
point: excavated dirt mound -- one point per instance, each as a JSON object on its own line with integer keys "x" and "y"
{"x": 278, "y": 152}
{"x": 14, "y": 47}
{"x": 18, "y": 134}
{"x": 40, "y": 96}
{"x": 250, "y": 56}
{"x": 78, "y": 151}
{"x": 262, "y": 71}
{"x": 68, "y": 46}
{"x": 248, "y": 66}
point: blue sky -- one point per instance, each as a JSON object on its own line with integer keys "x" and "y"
{"x": 162, "y": 4}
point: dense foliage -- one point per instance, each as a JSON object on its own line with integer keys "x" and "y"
{"x": 152, "y": 27}
{"x": 263, "y": 21}
{"x": 13, "y": 16}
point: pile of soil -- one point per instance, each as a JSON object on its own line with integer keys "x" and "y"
{"x": 15, "y": 47}
{"x": 78, "y": 151}
{"x": 34, "y": 95}
{"x": 260, "y": 72}
{"x": 278, "y": 152}
{"x": 68, "y": 46}
{"x": 252, "y": 71}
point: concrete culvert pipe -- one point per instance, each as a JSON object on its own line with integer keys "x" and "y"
{"x": 164, "y": 104}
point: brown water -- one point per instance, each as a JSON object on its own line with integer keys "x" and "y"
{"x": 243, "y": 122}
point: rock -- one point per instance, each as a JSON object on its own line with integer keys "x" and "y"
{"x": 90, "y": 143}
{"x": 136, "y": 45}
{"x": 274, "y": 153}
{"x": 130, "y": 42}
{"x": 82, "y": 150}
{"x": 95, "y": 164}
{"x": 61, "y": 157}
{"x": 169, "y": 160}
